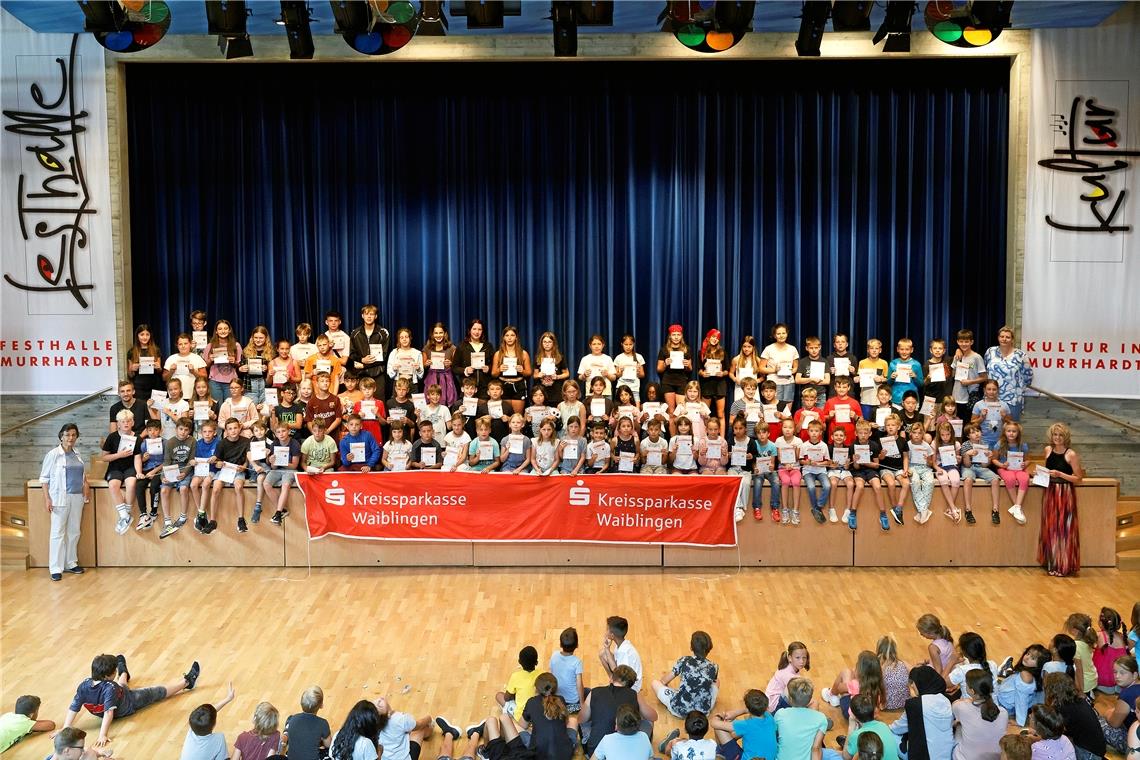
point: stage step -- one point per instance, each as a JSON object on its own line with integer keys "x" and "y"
{"x": 1129, "y": 560}
{"x": 13, "y": 537}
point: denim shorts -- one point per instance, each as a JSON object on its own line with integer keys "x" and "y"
{"x": 180, "y": 484}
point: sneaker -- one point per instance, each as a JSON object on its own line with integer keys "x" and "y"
{"x": 121, "y": 664}
{"x": 795, "y": 517}
{"x": 284, "y": 513}
{"x": 180, "y": 521}
{"x": 995, "y": 517}
{"x": 739, "y": 514}
{"x": 817, "y": 514}
{"x": 787, "y": 516}
{"x": 242, "y": 528}
{"x": 446, "y": 728}
{"x": 153, "y": 514}
{"x": 831, "y": 514}
{"x": 850, "y": 519}
{"x": 775, "y": 514}
{"x": 758, "y": 514}
{"x": 970, "y": 519}
{"x": 668, "y": 738}
{"x": 211, "y": 526}
{"x": 255, "y": 518}
{"x": 884, "y": 523}
{"x": 1005, "y": 667}
{"x": 145, "y": 521}
{"x": 200, "y": 522}
{"x": 897, "y": 515}
{"x": 922, "y": 517}
{"x": 168, "y": 530}
{"x": 57, "y": 576}
{"x": 77, "y": 570}
{"x": 124, "y": 522}
{"x": 481, "y": 752}
{"x": 478, "y": 728}
{"x": 830, "y": 698}
{"x": 846, "y": 513}
{"x": 276, "y": 519}
{"x": 192, "y": 675}
{"x": 1018, "y": 515}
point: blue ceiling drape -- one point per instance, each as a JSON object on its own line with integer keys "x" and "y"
{"x": 859, "y": 196}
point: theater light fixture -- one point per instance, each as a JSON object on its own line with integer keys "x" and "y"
{"x": 896, "y": 26}
{"x": 227, "y": 19}
{"x": 968, "y": 24}
{"x": 377, "y": 27}
{"x": 851, "y": 16}
{"x": 486, "y": 14}
{"x": 813, "y": 21}
{"x": 594, "y": 12}
{"x": 296, "y": 17}
{"x": 565, "y": 28}
{"x": 433, "y": 21}
{"x": 708, "y": 27}
{"x": 127, "y": 26}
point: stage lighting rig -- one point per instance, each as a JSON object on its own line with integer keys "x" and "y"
{"x": 127, "y": 26}
{"x": 433, "y": 21}
{"x": 813, "y": 21}
{"x": 565, "y": 28}
{"x": 296, "y": 17}
{"x": 227, "y": 19}
{"x": 486, "y": 14}
{"x": 896, "y": 26}
{"x": 851, "y": 16}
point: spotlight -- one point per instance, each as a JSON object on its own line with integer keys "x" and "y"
{"x": 708, "y": 27}
{"x": 433, "y": 21}
{"x": 595, "y": 12}
{"x": 896, "y": 26}
{"x": 484, "y": 14}
{"x": 851, "y": 16}
{"x": 126, "y": 27}
{"x": 295, "y": 17}
{"x": 102, "y": 15}
{"x": 813, "y": 21}
{"x": 375, "y": 28}
{"x": 226, "y": 18}
{"x": 565, "y": 28}
{"x": 967, "y": 24}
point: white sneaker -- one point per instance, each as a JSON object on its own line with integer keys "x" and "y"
{"x": 846, "y": 514}
{"x": 739, "y": 514}
{"x": 831, "y": 515}
{"x": 830, "y": 698}
{"x": 795, "y": 517}
{"x": 922, "y": 517}
{"x": 1018, "y": 515}
{"x": 124, "y": 523}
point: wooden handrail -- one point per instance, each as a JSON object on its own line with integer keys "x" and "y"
{"x": 1087, "y": 409}
{"x": 53, "y": 412}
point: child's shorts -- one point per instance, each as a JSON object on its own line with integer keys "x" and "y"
{"x": 120, "y": 475}
{"x": 277, "y": 478}
{"x": 654, "y": 469}
{"x": 514, "y": 390}
{"x": 839, "y": 475}
{"x": 977, "y": 472}
{"x": 179, "y": 484}
{"x": 790, "y": 477}
{"x": 865, "y": 475}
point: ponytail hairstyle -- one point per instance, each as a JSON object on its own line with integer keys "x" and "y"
{"x": 553, "y": 706}
{"x": 1066, "y": 649}
{"x": 930, "y": 625}
{"x": 786, "y": 655}
{"x": 981, "y": 685}
{"x": 870, "y": 746}
{"x": 1082, "y": 624}
{"x": 1110, "y": 624}
{"x": 973, "y": 648}
{"x": 869, "y": 673}
{"x": 887, "y": 650}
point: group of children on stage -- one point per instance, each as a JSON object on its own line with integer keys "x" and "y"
{"x": 313, "y": 407}
{"x": 956, "y": 703}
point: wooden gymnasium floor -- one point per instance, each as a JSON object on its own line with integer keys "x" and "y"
{"x": 444, "y": 641}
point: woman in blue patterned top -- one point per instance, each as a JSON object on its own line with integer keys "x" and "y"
{"x": 1010, "y": 367}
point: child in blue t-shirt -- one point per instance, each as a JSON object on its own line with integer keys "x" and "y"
{"x": 904, "y": 373}
{"x": 204, "y": 462}
{"x": 148, "y": 469}
{"x": 757, "y": 731}
{"x": 764, "y": 469}
{"x": 567, "y": 669}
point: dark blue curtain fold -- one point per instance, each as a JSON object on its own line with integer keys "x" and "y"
{"x": 859, "y": 196}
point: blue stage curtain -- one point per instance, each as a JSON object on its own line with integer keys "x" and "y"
{"x": 866, "y": 197}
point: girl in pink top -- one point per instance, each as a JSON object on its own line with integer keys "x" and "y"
{"x": 941, "y": 648}
{"x": 792, "y": 660}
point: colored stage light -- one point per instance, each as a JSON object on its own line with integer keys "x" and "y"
{"x": 967, "y": 24}
{"x": 708, "y": 27}
{"x": 127, "y": 27}
{"x": 375, "y": 28}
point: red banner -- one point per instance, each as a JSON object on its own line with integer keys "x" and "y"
{"x": 437, "y": 506}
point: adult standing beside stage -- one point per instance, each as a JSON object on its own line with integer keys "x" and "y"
{"x": 63, "y": 479}
{"x": 473, "y": 358}
{"x": 364, "y": 357}
{"x": 1010, "y": 367}
{"x": 1059, "y": 546}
